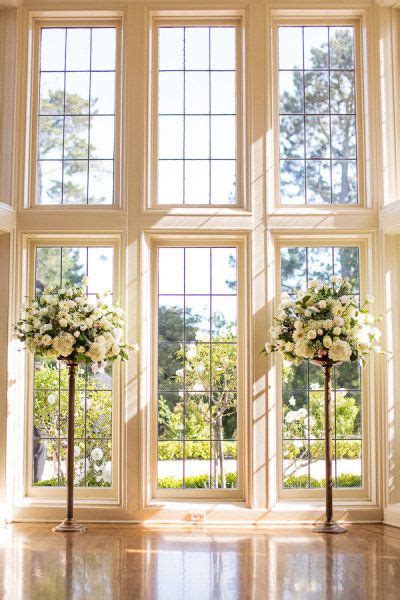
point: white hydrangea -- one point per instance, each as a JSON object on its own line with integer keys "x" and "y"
{"x": 340, "y": 351}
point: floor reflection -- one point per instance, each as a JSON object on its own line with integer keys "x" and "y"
{"x": 198, "y": 564}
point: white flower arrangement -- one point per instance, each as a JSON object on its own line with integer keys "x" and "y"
{"x": 325, "y": 324}
{"x": 64, "y": 323}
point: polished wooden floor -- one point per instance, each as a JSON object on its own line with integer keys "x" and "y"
{"x": 198, "y": 563}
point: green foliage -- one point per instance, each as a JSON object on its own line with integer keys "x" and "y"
{"x": 193, "y": 450}
{"x": 345, "y": 480}
{"x": 195, "y": 481}
{"x": 50, "y": 417}
{"x": 347, "y": 417}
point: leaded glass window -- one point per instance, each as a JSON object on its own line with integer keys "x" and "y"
{"x": 76, "y": 116}
{"x": 303, "y": 440}
{"x": 197, "y": 367}
{"x": 93, "y": 405}
{"x": 317, "y": 115}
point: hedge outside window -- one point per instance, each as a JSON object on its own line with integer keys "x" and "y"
{"x": 303, "y": 386}
{"x": 93, "y": 409}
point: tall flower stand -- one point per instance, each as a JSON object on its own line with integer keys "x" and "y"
{"x": 330, "y": 525}
{"x": 69, "y": 525}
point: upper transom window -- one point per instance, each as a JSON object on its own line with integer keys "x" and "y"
{"x": 76, "y": 116}
{"x": 197, "y": 110}
{"x": 317, "y": 115}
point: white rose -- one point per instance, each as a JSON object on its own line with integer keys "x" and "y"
{"x": 339, "y": 321}
{"x": 312, "y": 334}
{"x": 51, "y": 399}
{"x": 292, "y": 401}
{"x": 81, "y": 349}
{"x": 344, "y": 299}
{"x": 115, "y": 349}
{"x": 320, "y": 332}
{"x": 322, "y": 303}
{"x": 327, "y": 341}
{"x": 97, "y": 454}
{"x": 336, "y": 331}
{"x": 307, "y": 313}
{"x": 63, "y": 323}
{"x": 77, "y": 334}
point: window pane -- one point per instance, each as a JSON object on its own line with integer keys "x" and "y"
{"x": 223, "y": 182}
{"x": 78, "y": 50}
{"x": 93, "y": 415}
{"x": 197, "y": 368}
{"x": 303, "y": 428}
{"x": 49, "y": 182}
{"x": 290, "y": 48}
{"x": 197, "y": 115}
{"x": 52, "y": 49}
{"x": 81, "y": 84}
{"x": 317, "y": 103}
{"x": 51, "y": 93}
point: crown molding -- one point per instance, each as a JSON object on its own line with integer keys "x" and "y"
{"x": 388, "y": 3}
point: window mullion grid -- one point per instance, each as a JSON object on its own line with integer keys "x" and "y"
{"x": 304, "y": 118}
{"x": 330, "y": 124}
{"x": 64, "y": 98}
{"x": 59, "y": 390}
{"x": 334, "y": 368}
{"x": 209, "y": 118}
{"x": 184, "y": 120}
{"x": 308, "y": 385}
{"x": 211, "y": 395}
{"x": 184, "y": 373}
{"x": 86, "y": 369}
{"x": 90, "y": 124}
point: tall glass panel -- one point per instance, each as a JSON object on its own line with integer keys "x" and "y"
{"x": 76, "y": 120}
{"x": 93, "y": 409}
{"x": 197, "y": 367}
{"x": 317, "y": 115}
{"x": 303, "y": 437}
{"x": 197, "y": 115}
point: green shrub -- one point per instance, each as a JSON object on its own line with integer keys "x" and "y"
{"x": 193, "y": 450}
{"x": 90, "y": 482}
{"x": 195, "y": 481}
{"x": 345, "y": 480}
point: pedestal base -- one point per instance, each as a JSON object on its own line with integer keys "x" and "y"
{"x": 329, "y": 527}
{"x": 69, "y": 526}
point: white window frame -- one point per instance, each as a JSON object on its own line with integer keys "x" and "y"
{"x": 366, "y": 493}
{"x": 58, "y": 492}
{"x": 39, "y": 23}
{"x": 152, "y": 494}
{"x": 283, "y": 20}
{"x": 200, "y": 19}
